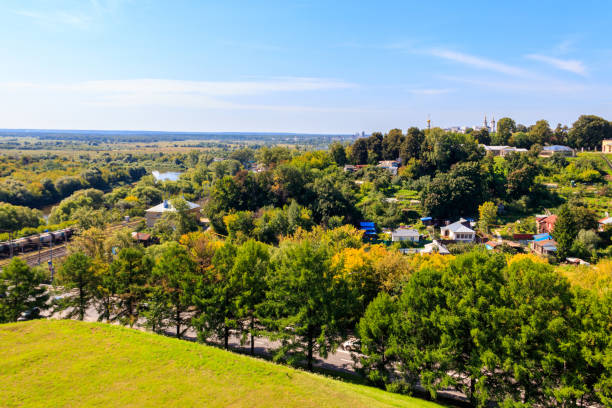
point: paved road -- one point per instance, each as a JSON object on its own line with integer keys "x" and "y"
{"x": 339, "y": 361}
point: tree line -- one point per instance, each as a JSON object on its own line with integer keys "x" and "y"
{"x": 514, "y": 333}
{"x": 586, "y": 133}
{"x": 499, "y": 329}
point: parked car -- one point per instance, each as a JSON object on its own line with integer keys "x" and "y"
{"x": 29, "y": 314}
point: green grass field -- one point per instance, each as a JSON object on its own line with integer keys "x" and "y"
{"x": 65, "y": 363}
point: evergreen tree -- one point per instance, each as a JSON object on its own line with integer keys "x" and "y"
{"x": 375, "y": 330}
{"x": 172, "y": 275}
{"x": 565, "y": 231}
{"x": 21, "y": 291}
{"x": 306, "y": 307}
{"x": 130, "y": 271}
{"x": 77, "y": 273}
{"x": 417, "y": 334}
{"x": 472, "y": 283}
{"x": 533, "y": 327}
{"x": 215, "y": 297}
{"x": 248, "y": 276}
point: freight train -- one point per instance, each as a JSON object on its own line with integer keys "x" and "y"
{"x": 33, "y": 242}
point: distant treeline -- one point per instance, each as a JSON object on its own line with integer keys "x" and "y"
{"x": 100, "y": 136}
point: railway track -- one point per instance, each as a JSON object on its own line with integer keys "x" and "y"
{"x": 59, "y": 250}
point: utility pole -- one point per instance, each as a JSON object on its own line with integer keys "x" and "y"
{"x": 39, "y": 243}
{"x": 10, "y": 241}
{"x": 51, "y": 253}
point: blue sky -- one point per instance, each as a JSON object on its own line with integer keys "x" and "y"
{"x": 302, "y": 66}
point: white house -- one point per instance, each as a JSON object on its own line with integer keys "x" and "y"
{"x": 503, "y": 150}
{"x": 390, "y": 165}
{"x": 155, "y": 213}
{"x": 405, "y": 234}
{"x": 435, "y": 247}
{"x": 457, "y": 231}
{"x": 604, "y": 222}
{"x": 549, "y": 151}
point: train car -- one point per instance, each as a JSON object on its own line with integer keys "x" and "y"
{"x": 4, "y": 249}
{"x": 45, "y": 238}
{"x": 21, "y": 244}
{"x": 32, "y": 242}
{"x": 60, "y": 236}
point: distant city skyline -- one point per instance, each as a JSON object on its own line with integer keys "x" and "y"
{"x": 304, "y": 67}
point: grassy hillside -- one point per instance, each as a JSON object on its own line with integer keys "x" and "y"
{"x": 69, "y": 363}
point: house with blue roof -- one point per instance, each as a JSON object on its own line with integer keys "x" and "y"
{"x": 542, "y": 237}
{"x": 543, "y": 244}
{"x": 369, "y": 230}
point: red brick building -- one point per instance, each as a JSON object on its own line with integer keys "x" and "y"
{"x": 546, "y": 225}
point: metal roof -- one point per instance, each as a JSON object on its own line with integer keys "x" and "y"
{"x": 457, "y": 227}
{"x": 405, "y": 232}
{"x": 557, "y": 148}
{"x": 167, "y": 206}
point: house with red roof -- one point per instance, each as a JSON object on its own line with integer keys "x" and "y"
{"x": 604, "y": 222}
{"x": 546, "y": 224}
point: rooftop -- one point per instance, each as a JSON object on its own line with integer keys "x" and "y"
{"x": 435, "y": 246}
{"x": 542, "y": 237}
{"x": 405, "y": 232}
{"x": 457, "y": 227}
{"x": 167, "y": 206}
{"x": 557, "y": 148}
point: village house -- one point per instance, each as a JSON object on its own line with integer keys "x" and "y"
{"x": 546, "y": 224}
{"x": 405, "y": 234}
{"x": 153, "y": 214}
{"x": 606, "y": 146}
{"x": 493, "y": 245}
{"x": 604, "y": 222}
{"x": 545, "y": 248}
{"x": 458, "y": 231}
{"x": 143, "y": 238}
{"x": 503, "y": 150}
{"x": 369, "y": 230}
{"x": 390, "y": 165}
{"x": 544, "y": 244}
{"x": 549, "y": 151}
{"x": 435, "y": 247}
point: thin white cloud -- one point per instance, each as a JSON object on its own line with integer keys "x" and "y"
{"x": 566, "y": 45}
{"x": 176, "y": 93}
{"x": 430, "y": 91}
{"x": 479, "y": 62}
{"x": 81, "y": 15}
{"x": 523, "y": 86}
{"x": 73, "y": 19}
{"x": 213, "y": 88}
{"x": 575, "y": 66}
